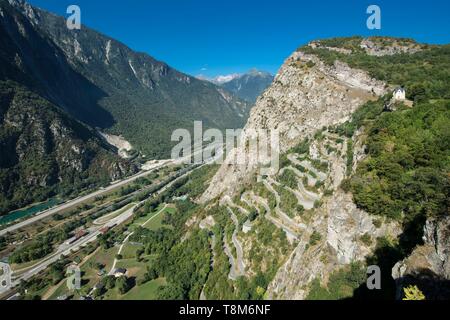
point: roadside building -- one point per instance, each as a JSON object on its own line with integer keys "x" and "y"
{"x": 104, "y": 230}
{"x": 120, "y": 272}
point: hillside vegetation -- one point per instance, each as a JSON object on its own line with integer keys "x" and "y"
{"x": 406, "y": 172}
{"x": 105, "y": 84}
{"x": 45, "y": 152}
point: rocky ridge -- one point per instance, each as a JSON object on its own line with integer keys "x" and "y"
{"x": 306, "y": 96}
{"x": 326, "y": 231}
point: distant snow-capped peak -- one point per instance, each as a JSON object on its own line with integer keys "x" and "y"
{"x": 223, "y": 79}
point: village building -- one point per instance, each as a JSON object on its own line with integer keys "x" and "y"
{"x": 399, "y": 94}
{"x": 120, "y": 272}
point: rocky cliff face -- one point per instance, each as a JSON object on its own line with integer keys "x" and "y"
{"x": 305, "y": 96}
{"x": 428, "y": 266}
{"x": 374, "y": 46}
{"x": 327, "y": 230}
{"x": 342, "y": 227}
{"x": 347, "y": 234}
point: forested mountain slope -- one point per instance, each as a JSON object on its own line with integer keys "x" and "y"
{"x": 59, "y": 86}
{"x": 105, "y": 84}
{"x": 45, "y": 152}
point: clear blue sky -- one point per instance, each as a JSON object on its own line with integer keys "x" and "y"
{"x": 214, "y": 37}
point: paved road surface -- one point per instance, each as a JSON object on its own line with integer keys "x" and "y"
{"x": 65, "y": 249}
{"x": 100, "y": 192}
{"x": 239, "y": 252}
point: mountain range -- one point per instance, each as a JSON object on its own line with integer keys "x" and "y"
{"x": 59, "y": 87}
{"x": 362, "y": 179}
{"x": 105, "y": 84}
{"x": 248, "y": 86}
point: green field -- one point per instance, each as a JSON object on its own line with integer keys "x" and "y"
{"x": 135, "y": 268}
{"x": 129, "y": 250}
{"x": 148, "y": 291}
{"x": 156, "y": 222}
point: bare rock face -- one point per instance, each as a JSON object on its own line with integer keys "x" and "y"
{"x": 305, "y": 96}
{"x": 428, "y": 266}
{"x": 376, "y": 47}
{"x": 342, "y": 226}
{"x": 347, "y": 225}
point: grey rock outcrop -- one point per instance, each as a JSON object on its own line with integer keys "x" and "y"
{"x": 428, "y": 266}
{"x": 375, "y": 48}
{"x": 305, "y": 96}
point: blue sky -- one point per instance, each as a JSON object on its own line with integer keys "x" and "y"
{"x": 213, "y": 37}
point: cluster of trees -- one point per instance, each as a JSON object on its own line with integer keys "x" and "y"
{"x": 107, "y": 239}
{"x": 341, "y": 285}
{"x": 43, "y": 244}
{"x": 57, "y": 271}
{"x": 288, "y": 202}
{"x": 405, "y": 176}
{"x": 32, "y": 288}
{"x": 218, "y": 286}
{"x": 197, "y": 181}
{"x": 289, "y": 179}
{"x": 38, "y": 169}
{"x": 424, "y": 74}
{"x": 255, "y": 287}
{"x": 186, "y": 267}
{"x": 151, "y": 274}
{"x": 3, "y": 243}
{"x": 157, "y": 242}
{"x": 261, "y": 190}
{"x": 406, "y": 172}
{"x": 123, "y": 285}
{"x": 36, "y": 250}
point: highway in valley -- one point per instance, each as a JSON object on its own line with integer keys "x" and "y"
{"x": 80, "y": 200}
{"x": 98, "y": 228}
{"x": 102, "y": 191}
{"x": 66, "y": 249}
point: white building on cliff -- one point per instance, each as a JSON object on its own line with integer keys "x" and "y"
{"x": 399, "y": 94}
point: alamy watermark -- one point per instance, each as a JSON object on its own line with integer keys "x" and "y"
{"x": 5, "y": 277}
{"x": 74, "y": 20}
{"x": 374, "y": 20}
{"x": 374, "y": 278}
{"x": 249, "y": 147}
